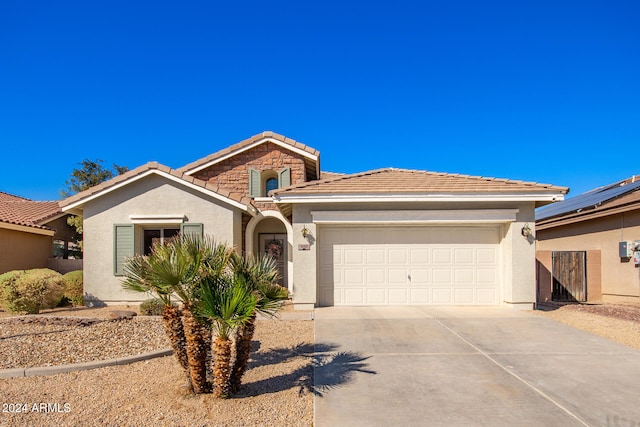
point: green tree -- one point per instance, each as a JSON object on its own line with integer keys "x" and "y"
{"x": 90, "y": 174}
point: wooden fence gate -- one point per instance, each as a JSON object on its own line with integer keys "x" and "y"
{"x": 569, "y": 271}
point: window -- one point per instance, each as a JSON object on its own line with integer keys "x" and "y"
{"x": 270, "y": 184}
{"x": 161, "y": 236}
{"x": 260, "y": 183}
{"x": 129, "y": 239}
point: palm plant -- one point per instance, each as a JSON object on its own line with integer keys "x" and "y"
{"x": 176, "y": 269}
{"x": 141, "y": 277}
{"x": 259, "y": 276}
{"x": 227, "y": 304}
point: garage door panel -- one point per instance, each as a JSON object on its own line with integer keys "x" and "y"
{"x": 486, "y": 256}
{"x": 442, "y": 276}
{"x": 442, "y": 296}
{"x": 375, "y": 256}
{"x": 376, "y": 276}
{"x": 487, "y": 296}
{"x": 376, "y": 296}
{"x": 409, "y": 265}
{"x": 397, "y": 276}
{"x": 420, "y": 276}
{"x": 463, "y": 296}
{"x": 419, "y": 296}
{"x": 398, "y": 296}
{"x": 463, "y": 276}
{"x": 486, "y": 275}
{"x": 441, "y": 256}
{"x": 398, "y": 256}
{"x": 464, "y": 256}
{"x": 419, "y": 256}
{"x": 354, "y": 296}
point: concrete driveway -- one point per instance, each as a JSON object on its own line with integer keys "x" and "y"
{"x": 418, "y": 366}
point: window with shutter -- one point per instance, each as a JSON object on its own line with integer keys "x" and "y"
{"x": 123, "y": 246}
{"x": 284, "y": 178}
{"x": 255, "y": 183}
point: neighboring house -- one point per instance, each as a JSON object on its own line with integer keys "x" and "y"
{"x": 383, "y": 237}
{"x": 28, "y": 231}
{"x": 578, "y": 245}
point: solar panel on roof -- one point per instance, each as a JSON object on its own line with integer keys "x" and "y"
{"x": 586, "y": 200}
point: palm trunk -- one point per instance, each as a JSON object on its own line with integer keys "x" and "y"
{"x": 172, "y": 319}
{"x": 243, "y": 352}
{"x": 222, "y": 368}
{"x": 196, "y": 351}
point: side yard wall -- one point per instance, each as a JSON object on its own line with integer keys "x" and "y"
{"x": 620, "y": 278}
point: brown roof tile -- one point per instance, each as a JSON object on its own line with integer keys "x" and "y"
{"x": 27, "y": 212}
{"x": 140, "y": 171}
{"x": 242, "y": 144}
{"x": 5, "y": 197}
{"x": 402, "y": 181}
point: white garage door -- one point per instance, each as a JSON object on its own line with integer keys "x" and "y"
{"x": 409, "y": 265}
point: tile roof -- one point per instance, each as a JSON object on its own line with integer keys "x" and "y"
{"x": 20, "y": 211}
{"x": 152, "y": 166}
{"x": 4, "y": 197}
{"x": 245, "y": 143}
{"x": 403, "y": 181}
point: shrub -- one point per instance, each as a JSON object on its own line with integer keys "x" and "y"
{"x": 73, "y": 288}
{"x": 30, "y": 290}
{"x": 153, "y": 307}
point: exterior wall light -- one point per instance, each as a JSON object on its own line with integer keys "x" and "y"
{"x": 526, "y": 231}
{"x": 305, "y": 232}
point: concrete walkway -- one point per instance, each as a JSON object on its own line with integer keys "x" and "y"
{"x": 436, "y": 366}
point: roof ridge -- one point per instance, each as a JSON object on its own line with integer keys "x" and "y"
{"x": 246, "y": 142}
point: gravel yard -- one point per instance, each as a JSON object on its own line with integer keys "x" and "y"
{"x": 277, "y": 386}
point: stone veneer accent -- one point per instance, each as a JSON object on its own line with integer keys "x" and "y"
{"x": 233, "y": 174}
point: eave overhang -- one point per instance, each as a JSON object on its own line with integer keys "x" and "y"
{"x": 76, "y": 207}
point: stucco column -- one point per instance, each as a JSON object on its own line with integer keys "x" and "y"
{"x": 520, "y": 280}
{"x": 305, "y": 260}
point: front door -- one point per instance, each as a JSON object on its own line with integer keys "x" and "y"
{"x": 275, "y": 245}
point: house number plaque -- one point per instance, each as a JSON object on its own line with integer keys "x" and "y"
{"x": 304, "y": 247}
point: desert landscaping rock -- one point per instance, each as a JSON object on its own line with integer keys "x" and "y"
{"x": 276, "y": 390}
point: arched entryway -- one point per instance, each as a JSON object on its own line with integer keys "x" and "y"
{"x": 270, "y": 233}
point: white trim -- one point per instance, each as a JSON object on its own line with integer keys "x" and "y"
{"x": 263, "y": 199}
{"x": 164, "y": 175}
{"x": 468, "y": 216}
{"x": 438, "y": 197}
{"x": 157, "y": 219}
{"x": 250, "y": 146}
{"x": 249, "y": 243}
{"x": 26, "y": 229}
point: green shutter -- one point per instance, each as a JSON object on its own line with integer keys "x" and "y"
{"x": 191, "y": 228}
{"x": 254, "y": 183}
{"x": 123, "y": 246}
{"x": 284, "y": 178}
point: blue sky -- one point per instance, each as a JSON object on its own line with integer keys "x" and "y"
{"x": 539, "y": 91}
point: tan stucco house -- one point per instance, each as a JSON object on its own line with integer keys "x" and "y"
{"x": 585, "y": 245}
{"x": 28, "y": 230}
{"x": 383, "y": 237}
